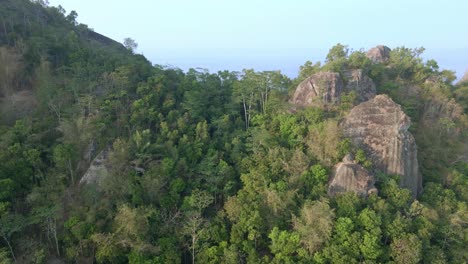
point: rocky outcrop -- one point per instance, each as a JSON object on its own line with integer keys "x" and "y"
{"x": 348, "y": 176}
{"x": 379, "y": 54}
{"x": 380, "y": 127}
{"x": 438, "y": 109}
{"x": 320, "y": 88}
{"x": 97, "y": 170}
{"x": 362, "y": 84}
{"x": 327, "y": 87}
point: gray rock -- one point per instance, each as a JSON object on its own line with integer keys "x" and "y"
{"x": 379, "y": 54}
{"x": 97, "y": 170}
{"x": 348, "y": 176}
{"x": 325, "y": 88}
{"x": 362, "y": 84}
{"x": 90, "y": 151}
{"x": 320, "y": 88}
{"x": 380, "y": 127}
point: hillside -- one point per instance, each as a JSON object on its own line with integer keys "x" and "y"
{"x": 106, "y": 158}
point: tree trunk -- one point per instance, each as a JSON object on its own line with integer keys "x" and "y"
{"x": 9, "y": 247}
{"x": 56, "y": 110}
{"x": 70, "y": 169}
{"x": 245, "y": 114}
{"x": 53, "y": 229}
{"x": 5, "y": 31}
{"x": 193, "y": 249}
{"x": 250, "y": 108}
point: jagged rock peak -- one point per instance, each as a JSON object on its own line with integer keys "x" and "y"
{"x": 380, "y": 127}
{"x": 379, "y": 54}
{"x": 320, "y": 88}
{"x": 348, "y": 176}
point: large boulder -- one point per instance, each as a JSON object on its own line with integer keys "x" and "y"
{"x": 97, "y": 170}
{"x": 380, "y": 127}
{"x": 362, "y": 84}
{"x": 379, "y": 54}
{"x": 348, "y": 176}
{"x": 320, "y": 88}
{"x": 326, "y": 88}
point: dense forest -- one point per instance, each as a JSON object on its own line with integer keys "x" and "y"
{"x": 106, "y": 158}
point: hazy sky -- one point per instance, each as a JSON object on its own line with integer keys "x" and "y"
{"x": 270, "y": 34}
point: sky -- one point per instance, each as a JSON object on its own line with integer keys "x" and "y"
{"x": 277, "y": 34}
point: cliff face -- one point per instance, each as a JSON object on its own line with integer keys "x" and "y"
{"x": 380, "y": 127}
{"x": 362, "y": 84}
{"x": 327, "y": 87}
{"x": 348, "y": 176}
{"x": 322, "y": 87}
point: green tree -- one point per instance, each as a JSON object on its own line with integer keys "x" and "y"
{"x": 284, "y": 245}
{"x": 64, "y": 156}
{"x": 407, "y": 249}
{"x": 314, "y": 225}
{"x": 339, "y": 51}
{"x": 9, "y": 225}
{"x": 130, "y": 44}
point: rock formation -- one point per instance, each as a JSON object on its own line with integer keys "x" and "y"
{"x": 360, "y": 83}
{"x": 320, "y": 88}
{"x": 97, "y": 170}
{"x": 380, "y": 127}
{"x": 326, "y": 88}
{"x": 379, "y": 54}
{"x": 349, "y": 176}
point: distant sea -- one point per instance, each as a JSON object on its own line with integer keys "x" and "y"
{"x": 287, "y": 61}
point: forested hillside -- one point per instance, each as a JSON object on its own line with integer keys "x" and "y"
{"x": 105, "y": 158}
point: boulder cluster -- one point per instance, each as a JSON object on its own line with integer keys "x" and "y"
{"x": 380, "y": 127}
{"x": 376, "y": 125}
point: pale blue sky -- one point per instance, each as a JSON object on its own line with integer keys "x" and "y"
{"x": 269, "y": 34}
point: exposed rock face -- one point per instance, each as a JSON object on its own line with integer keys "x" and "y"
{"x": 379, "y": 54}
{"x": 97, "y": 170}
{"x": 348, "y": 176}
{"x": 380, "y": 127}
{"x": 320, "y": 88}
{"x": 438, "y": 109}
{"x": 361, "y": 83}
{"x": 326, "y": 88}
